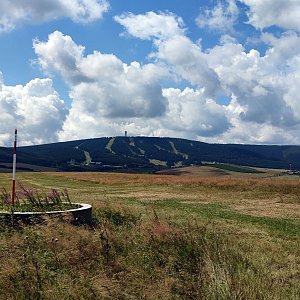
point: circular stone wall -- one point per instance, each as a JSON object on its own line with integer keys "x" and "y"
{"x": 81, "y": 215}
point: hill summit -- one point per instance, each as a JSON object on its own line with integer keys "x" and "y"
{"x": 145, "y": 154}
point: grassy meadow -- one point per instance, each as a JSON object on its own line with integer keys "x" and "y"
{"x": 193, "y": 235}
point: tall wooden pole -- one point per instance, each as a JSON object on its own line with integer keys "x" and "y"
{"x": 14, "y": 170}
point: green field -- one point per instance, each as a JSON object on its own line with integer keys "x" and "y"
{"x": 159, "y": 237}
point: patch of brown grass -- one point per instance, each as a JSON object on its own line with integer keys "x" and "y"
{"x": 273, "y": 208}
{"x": 155, "y": 179}
{"x": 270, "y": 197}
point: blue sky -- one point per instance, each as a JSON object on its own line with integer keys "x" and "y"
{"x": 224, "y": 71}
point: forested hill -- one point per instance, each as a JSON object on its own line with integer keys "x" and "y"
{"x": 148, "y": 153}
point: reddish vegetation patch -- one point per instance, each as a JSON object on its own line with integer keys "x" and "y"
{"x": 158, "y": 229}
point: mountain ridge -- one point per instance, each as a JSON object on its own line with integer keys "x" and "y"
{"x": 148, "y": 153}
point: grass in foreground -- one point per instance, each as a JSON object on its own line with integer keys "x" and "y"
{"x": 159, "y": 237}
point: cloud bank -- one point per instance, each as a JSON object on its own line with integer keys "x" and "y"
{"x": 109, "y": 95}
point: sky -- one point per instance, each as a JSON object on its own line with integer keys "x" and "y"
{"x": 217, "y": 71}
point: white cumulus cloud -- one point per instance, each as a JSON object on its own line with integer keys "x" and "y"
{"x": 151, "y": 25}
{"x": 14, "y": 12}
{"x": 101, "y": 84}
{"x": 221, "y": 17}
{"x": 35, "y": 109}
{"x": 191, "y": 112}
{"x": 60, "y": 55}
{"x": 266, "y": 13}
{"x": 173, "y": 47}
{"x": 261, "y": 84}
{"x": 188, "y": 61}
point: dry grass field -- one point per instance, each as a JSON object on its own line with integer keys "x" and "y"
{"x": 194, "y": 235}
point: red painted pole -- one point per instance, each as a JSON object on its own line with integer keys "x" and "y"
{"x": 14, "y": 170}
